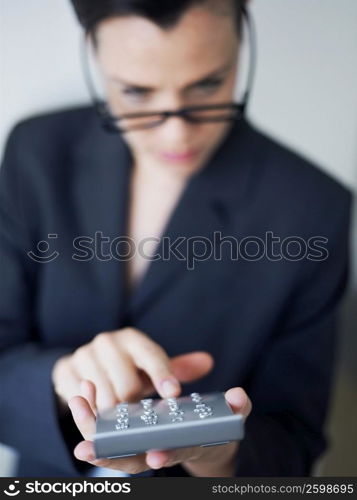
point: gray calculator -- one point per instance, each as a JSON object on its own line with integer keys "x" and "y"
{"x": 162, "y": 424}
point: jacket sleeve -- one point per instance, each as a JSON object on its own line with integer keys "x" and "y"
{"x": 29, "y": 420}
{"x": 291, "y": 384}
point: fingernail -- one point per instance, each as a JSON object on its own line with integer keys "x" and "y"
{"x": 169, "y": 387}
{"x": 84, "y": 457}
{"x": 155, "y": 463}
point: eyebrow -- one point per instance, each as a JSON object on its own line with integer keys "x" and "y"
{"x": 214, "y": 73}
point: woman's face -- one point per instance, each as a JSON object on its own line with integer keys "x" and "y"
{"x": 147, "y": 68}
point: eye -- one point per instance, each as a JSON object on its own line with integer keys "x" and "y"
{"x": 209, "y": 84}
{"x": 136, "y": 91}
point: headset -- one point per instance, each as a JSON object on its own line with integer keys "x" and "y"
{"x": 108, "y": 121}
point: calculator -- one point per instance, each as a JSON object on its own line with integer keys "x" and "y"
{"x": 161, "y": 424}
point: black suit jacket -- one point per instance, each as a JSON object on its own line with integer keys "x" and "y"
{"x": 270, "y": 324}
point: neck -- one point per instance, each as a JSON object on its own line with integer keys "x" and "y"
{"x": 158, "y": 173}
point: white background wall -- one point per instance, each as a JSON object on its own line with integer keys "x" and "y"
{"x": 306, "y": 86}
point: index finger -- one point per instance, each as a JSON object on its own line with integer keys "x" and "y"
{"x": 152, "y": 358}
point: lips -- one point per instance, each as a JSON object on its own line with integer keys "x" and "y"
{"x": 181, "y": 156}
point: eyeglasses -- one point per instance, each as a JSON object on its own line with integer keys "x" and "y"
{"x": 211, "y": 113}
{"x": 222, "y": 112}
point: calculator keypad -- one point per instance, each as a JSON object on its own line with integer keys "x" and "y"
{"x": 150, "y": 416}
{"x": 176, "y": 413}
{"x": 122, "y": 416}
{"x": 201, "y": 409}
{"x": 129, "y": 429}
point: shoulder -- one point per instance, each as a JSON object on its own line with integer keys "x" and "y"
{"x": 290, "y": 184}
{"x": 50, "y": 128}
{"x": 38, "y": 148}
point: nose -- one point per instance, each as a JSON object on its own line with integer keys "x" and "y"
{"x": 175, "y": 133}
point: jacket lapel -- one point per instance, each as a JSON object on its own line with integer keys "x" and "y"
{"x": 204, "y": 208}
{"x": 102, "y": 175}
{"x": 194, "y": 216}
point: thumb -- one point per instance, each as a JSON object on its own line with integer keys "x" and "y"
{"x": 239, "y": 401}
{"x": 192, "y": 366}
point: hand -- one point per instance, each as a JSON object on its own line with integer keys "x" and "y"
{"x": 126, "y": 365}
{"x": 212, "y": 461}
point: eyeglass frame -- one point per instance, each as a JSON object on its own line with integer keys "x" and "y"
{"x": 185, "y": 113}
{"x": 110, "y": 122}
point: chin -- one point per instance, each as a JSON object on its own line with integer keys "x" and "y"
{"x": 185, "y": 167}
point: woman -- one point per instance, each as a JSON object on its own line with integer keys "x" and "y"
{"x": 89, "y": 324}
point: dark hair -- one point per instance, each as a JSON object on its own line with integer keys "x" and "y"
{"x": 165, "y": 13}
